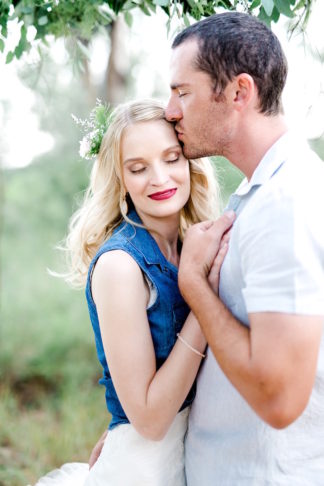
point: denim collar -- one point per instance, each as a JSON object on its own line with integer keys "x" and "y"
{"x": 145, "y": 243}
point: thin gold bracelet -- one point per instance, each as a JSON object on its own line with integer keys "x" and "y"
{"x": 190, "y": 347}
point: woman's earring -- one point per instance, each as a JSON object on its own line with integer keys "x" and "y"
{"x": 124, "y": 205}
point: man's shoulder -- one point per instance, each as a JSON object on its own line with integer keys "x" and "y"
{"x": 299, "y": 180}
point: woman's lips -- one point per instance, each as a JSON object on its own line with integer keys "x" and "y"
{"x": 159, "y": 196}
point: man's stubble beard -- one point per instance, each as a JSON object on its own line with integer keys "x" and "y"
{"x": 194, "y": 152}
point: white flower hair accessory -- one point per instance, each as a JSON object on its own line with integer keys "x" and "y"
{"x": 95, "y": 127}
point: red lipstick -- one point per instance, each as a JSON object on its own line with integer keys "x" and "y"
{"x": 160, "y": 196}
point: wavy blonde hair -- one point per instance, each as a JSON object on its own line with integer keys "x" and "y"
{"x": 103, "y": 210}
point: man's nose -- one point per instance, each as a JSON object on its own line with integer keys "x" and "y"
{"x": 172, "y": 111}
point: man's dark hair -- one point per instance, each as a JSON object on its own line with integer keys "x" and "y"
{"x": 233, "y": 43}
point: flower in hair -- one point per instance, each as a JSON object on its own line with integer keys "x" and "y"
{"x": 94, "y": 127}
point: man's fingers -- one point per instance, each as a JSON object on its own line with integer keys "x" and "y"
{"x": 213, "y": 276}
{"x": 226, "y": 220}
{"x": 222, "y": 225}
{"x": 217, "y": 263}
{"x": 205, "y": 225}
{"x": 226, "y": 237}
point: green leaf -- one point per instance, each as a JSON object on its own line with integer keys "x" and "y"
{"x": 43, "y": 20}
{"x": 254, "y": 4}
{"x": 192, "y": 3}
{"x": 26, "y": 10}
{"x": 151, "y": 6}
{"x": 186, "y": 20}
{"x": 2, "y": 45}
{"x": 107, "y": 16}
{"x": 19, "y": 50}
{"x": 128, "y": 19}
{"x": 161, "y": 3}
{"x": 4, "y": 30}
{"x": 23, "y": 43}
{"x": 300, "y": 4}
{"x": 275, "y": 15}
{"x": 284, "y": 7}
{"x": 83, "y": 49}
{"x": 144, "y": 9}
{"x": 200, "y": 8}
{"x": 264, "y": 17}
{"x": 268, "y": 6}
{"x": 10, "y": 57}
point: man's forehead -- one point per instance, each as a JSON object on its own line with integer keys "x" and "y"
{"x": 185, "y": 52}
{"x": 182, "y": 62}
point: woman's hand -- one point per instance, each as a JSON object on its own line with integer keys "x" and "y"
{"x": 96, "y": 451}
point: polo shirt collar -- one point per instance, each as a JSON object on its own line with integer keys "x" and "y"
{"x": 269, "y": 164}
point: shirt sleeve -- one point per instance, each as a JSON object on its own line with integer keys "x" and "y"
{"x": 282, "y": 256}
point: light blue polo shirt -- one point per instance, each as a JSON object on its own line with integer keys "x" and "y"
{"x": 275, "y": 262}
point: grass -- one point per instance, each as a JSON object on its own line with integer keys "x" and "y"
{"x": 52, "y": 409}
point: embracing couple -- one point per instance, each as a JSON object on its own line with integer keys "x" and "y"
{"x": 244, "y": 304}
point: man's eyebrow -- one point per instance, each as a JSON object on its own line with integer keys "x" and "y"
{"x": 178, "y": 85}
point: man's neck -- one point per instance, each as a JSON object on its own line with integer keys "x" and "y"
{"x": 254, "y": 139}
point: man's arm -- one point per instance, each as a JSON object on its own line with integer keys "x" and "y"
{"x": 272, "y": 364}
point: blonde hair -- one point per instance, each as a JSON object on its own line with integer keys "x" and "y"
{"x": 103, "y": 210}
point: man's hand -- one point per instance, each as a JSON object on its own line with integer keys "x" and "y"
{"x": 96, "y": 451}
{"x": 200, "y": 248}
{"x": 213, "y": 276}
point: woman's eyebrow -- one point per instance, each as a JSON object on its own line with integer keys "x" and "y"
{"x": 141, "y": 159}
{"x": 133, "y": 159}
{"x": 177, "y": 146}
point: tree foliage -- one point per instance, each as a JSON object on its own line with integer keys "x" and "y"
{"x": 81, "y": 18}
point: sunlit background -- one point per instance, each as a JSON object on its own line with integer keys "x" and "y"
{"x": 51, "y": 408}
{"x": 144, "y": 55}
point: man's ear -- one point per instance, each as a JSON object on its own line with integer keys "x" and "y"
{"x": 243, "y": 91}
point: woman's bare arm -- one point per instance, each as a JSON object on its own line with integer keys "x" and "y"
{"x": 151, "y": 398}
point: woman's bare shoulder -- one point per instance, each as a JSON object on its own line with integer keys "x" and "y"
{"x": 115, "y": 268}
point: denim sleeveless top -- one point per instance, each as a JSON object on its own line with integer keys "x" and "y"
{"x": 166, "y": 315}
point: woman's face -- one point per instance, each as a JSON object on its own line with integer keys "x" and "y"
{"x": 155, "y": 171}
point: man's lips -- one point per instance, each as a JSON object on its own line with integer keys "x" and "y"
{"x": 179, "y": 133}
{"x": 159, "y": 196}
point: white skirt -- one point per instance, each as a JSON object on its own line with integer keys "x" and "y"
{"x": 128, "y": 459}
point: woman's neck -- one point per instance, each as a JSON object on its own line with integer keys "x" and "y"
{"x": 165, "y": 232}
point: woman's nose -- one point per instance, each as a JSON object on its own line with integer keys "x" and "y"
{"x": 159, "y": 176}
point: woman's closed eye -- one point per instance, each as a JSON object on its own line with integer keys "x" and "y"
{"x": 173, "y": 160}
{"x": 137, "y": 170}
{"x": 172, "y": 157}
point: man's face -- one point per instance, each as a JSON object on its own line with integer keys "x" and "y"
{"x": 202, "y": 119}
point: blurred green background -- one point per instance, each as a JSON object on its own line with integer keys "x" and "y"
{"x": 52, "y": 409}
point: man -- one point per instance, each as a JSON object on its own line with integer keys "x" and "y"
{"x": 258, "y": 417}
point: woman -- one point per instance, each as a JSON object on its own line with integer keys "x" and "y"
{"x": 124, "y": 244}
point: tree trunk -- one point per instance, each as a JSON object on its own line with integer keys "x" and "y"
{"x": 117, "y": 68}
